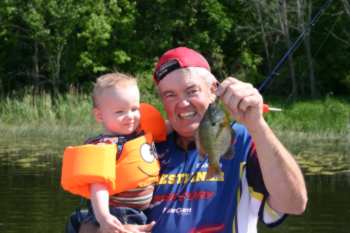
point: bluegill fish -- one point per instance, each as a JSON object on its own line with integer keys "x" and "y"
{"x": 214, "y": 138}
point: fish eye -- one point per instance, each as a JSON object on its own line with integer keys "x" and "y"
{"x": 147, "y": 153}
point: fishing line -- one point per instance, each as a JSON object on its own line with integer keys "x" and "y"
{"x": 324, "y": 41}
{"x": 294, "y": 46}
{"x": 327, "y": 37}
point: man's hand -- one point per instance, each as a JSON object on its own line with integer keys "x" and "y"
{"x": 282, "y": 176}
{"x": 243, "y": 101}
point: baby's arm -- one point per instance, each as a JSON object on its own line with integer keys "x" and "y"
{"x": 100, "y": 205}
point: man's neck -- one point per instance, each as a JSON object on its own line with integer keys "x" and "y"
{"x": 185, "y": 143}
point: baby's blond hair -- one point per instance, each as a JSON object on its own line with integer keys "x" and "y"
{"x": 110, "y": 80}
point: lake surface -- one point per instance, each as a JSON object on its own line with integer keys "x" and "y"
{"x": 32, "y": 200}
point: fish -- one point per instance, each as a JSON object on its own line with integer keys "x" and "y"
{"x": 214, "y": 139}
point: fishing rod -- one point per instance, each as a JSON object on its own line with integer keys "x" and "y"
{"x": 294, "y": 46}
{"x": 266, "y": 108}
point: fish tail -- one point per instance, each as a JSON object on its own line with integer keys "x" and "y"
{"x": 214, "y": 171}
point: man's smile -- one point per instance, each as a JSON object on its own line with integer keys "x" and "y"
{"x": 187, "y": 115}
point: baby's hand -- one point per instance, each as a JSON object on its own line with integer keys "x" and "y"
{"x": 110, "y": 224}
{"x": 139, "y": 228}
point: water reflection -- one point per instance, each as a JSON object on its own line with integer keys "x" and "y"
{"x": 33, "y": 201}
{"x": 31, "y": 197}
{"x": 328, "y": 209}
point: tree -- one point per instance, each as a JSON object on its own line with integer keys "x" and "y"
{"x": 107, "y": 31}
{"x": 202, "y": 25}
{"x": 305, "y": 8}
{"x": 44, "y": 29}
{"x": 285, "y": 31}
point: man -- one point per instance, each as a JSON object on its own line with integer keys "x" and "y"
{"x": 262, "y": 181}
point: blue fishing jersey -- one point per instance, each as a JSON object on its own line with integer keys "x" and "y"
{"x": 185, "y": 201}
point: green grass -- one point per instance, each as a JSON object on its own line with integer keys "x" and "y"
{"x": 69, "y": 109}
{"x": 72, "y": 112}
{"x": 317, "y": 132}
{"x": 67, "y": 117}
{"x": 322, "y": 124}
{"x": 330, "y": 115}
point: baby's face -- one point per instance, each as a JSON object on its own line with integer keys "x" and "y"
{"x": 118, "y": 109}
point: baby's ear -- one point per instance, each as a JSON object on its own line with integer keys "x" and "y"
{"x": 98, "y": 115}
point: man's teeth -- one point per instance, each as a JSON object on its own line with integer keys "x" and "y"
{"x": 187, "y": 115}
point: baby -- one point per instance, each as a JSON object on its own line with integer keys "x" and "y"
{"x": 116, "y": 105}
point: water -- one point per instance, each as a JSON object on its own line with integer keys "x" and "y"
{"x": 328, "y": 209}
{"x": 33, "y": 201}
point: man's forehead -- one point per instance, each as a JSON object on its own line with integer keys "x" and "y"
{"x": 181, "y": 78}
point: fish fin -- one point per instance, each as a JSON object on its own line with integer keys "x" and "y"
{"x": 228, "y": 115}
{"x": 201, "y": 152}
{"x": 214, "y": 171}
{"x": 230, "y": 153}
{"x": 233, "y": 135}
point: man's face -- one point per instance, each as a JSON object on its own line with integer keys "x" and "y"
{"x": 186, "y": 96}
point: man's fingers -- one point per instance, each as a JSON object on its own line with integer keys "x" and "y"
{"x": 247, "y": 102}
{"x": 235, "y": 93}
{"x": 223, "y": 86}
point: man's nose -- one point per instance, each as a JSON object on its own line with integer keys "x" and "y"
{"x": 184, "y": 102}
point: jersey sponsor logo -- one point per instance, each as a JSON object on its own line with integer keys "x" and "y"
{"x": 191, "y": 196}
{"x": 178, "y": 211}
{"x": 183, "y": 178}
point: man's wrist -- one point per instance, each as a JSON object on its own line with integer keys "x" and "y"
{"x": 259, "y": 127}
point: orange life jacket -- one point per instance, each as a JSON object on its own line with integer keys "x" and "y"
{"x": 136, "y": 166}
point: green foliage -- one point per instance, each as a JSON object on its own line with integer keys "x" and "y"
{"x": 202, "y": 25}
{"x": 346, "y": 81}
{"x": 248, "y": 71}
{"x": 106, "y": 32}
{"x": 51, "y": 45}
{"x": 149, "y": 92}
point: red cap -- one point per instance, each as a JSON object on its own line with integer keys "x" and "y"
{"x": 180, "y": 57}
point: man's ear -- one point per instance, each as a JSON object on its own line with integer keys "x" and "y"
{"x": 98, "y": 115}
{"x": 213, "y": 87}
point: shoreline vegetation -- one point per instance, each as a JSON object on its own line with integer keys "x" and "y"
{"x": 317, "y": 132}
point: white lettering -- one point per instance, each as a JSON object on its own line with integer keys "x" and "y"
{"x": 179, "y": 211}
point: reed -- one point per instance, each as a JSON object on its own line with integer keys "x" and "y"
{"x": 316, "y": 132}
{"x": 331, "y": 115}
{"x": 65, "y": 117}
{"x": 69, "y": 116}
